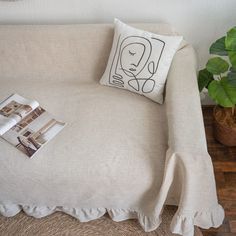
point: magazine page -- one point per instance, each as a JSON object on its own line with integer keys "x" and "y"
{"x": 13, "y": 109}
{"x": 33, "y": 131}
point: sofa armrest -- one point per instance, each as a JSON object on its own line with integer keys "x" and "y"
{"x": 187, "y": 155}
{"x": 183, "y": 107}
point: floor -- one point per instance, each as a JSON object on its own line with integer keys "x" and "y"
{"x": 224, "y": 161}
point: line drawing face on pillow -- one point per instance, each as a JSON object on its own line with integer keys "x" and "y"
{"x": 134, "y": 57}
{"x": 135, "y": 63}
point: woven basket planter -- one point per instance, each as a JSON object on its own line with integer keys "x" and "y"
{"x": 224, "y": 126}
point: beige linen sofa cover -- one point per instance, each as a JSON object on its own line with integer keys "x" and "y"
{"x": 120, "y": 152}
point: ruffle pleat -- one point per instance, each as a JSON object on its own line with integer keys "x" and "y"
{"x": 181, "y": 223}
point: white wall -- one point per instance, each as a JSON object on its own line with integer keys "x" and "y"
{"x": 200, "y": 21}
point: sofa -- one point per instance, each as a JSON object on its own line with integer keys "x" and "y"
{"x": 120, "y": 153}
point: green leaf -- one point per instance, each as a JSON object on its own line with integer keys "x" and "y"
{"x": 229, "y": 85}
{"x": 232, "y": 58}
{"x": 230, "y": 40}
{"x": 217, "y": 65}
{"x": 218, "y": 47}
{"x": 204, "y": 78}
{"x": 222, "y": 92}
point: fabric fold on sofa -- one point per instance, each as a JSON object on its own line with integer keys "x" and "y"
{"x": 184, "y": 224}
{"x": 187, "y": 155}
{"x": 198, "y": 202}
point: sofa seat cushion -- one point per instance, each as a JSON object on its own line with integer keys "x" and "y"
{"x": 114, "y": 141}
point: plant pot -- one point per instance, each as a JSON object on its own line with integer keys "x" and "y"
{"x": 224, "y": 125}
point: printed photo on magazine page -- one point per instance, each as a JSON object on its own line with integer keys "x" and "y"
{"x": 33, "y": 130}
{"x": 13, "y": 109}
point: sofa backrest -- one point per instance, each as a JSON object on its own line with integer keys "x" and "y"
{"x": 59, "y": 52}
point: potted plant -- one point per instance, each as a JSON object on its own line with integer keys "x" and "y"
{"x": 219, "y": 77}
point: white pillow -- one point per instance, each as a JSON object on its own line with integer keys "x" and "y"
{"x": 139, "y": 61}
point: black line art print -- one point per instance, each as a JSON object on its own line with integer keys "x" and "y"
{"x": 135, "y": 63}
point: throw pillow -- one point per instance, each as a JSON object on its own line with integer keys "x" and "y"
{"x": 139, "y": 61}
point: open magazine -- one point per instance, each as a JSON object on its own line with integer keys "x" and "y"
{"x": 26, "y": 125}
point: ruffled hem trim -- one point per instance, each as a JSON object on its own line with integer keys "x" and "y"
{"x": 181, "y": 223}
{"x": 83, "y": 214}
